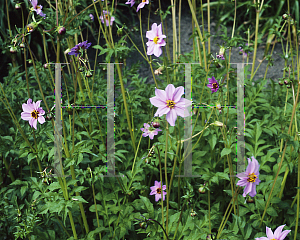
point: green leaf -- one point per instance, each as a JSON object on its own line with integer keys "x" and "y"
{"x": 30, "y": 157}
{"x": 53, "y": 186}
{"x": 225, "y": 151}
{"x": 23, "y": 190}
{"x": 272, "y": 212}
{"x": 148, "y": 205}
{"x": 212, "y": 141}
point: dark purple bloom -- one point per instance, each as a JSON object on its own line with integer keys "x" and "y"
{"x": 213, "y": 84}
{"x": 79, "y": 47}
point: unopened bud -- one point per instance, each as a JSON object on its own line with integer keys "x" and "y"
{"x": 286, "y": 81}
{"x": 61, "y": 30}
{"x": 22, "y": 45}
{"x": 17, "y": 6}
{"x": 88, "y": 74}
{"x": 285, "y": 16}
{"x": 218, "y": 124}
{"x": 13, "y": 49}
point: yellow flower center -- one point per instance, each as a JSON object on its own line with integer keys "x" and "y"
{"x": 29, "y": 29}
{"x": 158, "y": 190}
{"x": 215, "y": 85}
{"x": 155, "y": 40}
{"x": 38, "y": 7}
{"x": 251, "y": 178}
{"x": 34, "y": 114}
{"x": 144, "y": 1}
{"x": 106, "y": 16}
{"x": 170, "y": 104}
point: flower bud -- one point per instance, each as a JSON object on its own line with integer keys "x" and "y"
{"x": 280, "y": 83}
{"x": 156, "y": 124}
{"x": 120, "y": 31}
{"x": 285, "y": 16}
{"x": 22, "y": 45}
{"x": 17, "y": 6}
{"x": 67, "y": 51}
{"x": 61, "y": 30}
{"x": 46, "y": 65}
{"x": 13, "y": 49}
{"x": 201, "y": 189}
{"x": 81, "y": 69}
{"x": 218, "y": 124}
{"x": 288, "y": 86}
{"x": 31, "y": 27}
{"x": 286, "y": 81}
{"x": 88, "y": 74}
{"x": 142, "y": 225}
{"x": 193, "y": 213}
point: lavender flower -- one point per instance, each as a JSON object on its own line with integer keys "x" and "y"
{"x": 169, "y": 102}
{"x": 156, "y": 189}
{"x": 32, "y": 112}
{"x": 278, "y": 234}
{"x": 213, "y": 84}
{"x": 132, "y": 2}
{"x": 249, "y": 178}
{"x": 37, "y": 8}
{"x": 149, "y": 131}
{"x": 156, "y": 40}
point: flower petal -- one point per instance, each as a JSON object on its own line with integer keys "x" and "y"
{"x": 284, "y": 234}
{"x": 171, "y": 117}
{"x": 41, "y": 119}
{"x": 179, "y": 91}
{"x": 161, "y": 94}
{"x": 26, "y": 116}
{"x": 170, "y": 89}
{"x": 157, "y": 50}
{"x": 269, "y": 233}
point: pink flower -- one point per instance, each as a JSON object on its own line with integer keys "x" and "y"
{"x": 149, "y": 131}
{"x": 156, "y": 189}
{"x": 106, "y": 15}
{"x": 249, "y": 178}
{"x": 278, "y": 234}
{"x": 37, "y": 8}
{"x": 132, "y": 2}
{"x": 213, "y": 84}
{"x": 33, "y": 113}
{"x": 169, "y": 102}
{"x": 156, "y": 40}
{"x": 142, "y": 4}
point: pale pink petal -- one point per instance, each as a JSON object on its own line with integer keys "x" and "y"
{"x": 179, "y": 91}
{"x": 262, "y": 238}
{"x": 41, "y": 119}
{"x": 170, "y": 89}
{"x": 252, "y": 167}
{"x": 157, "y": 102}
{"x": 34, "y": 3}
{"x": 157, "y": 184}
{"x": 150, "y": 49}
{"x": 269, "y": 233}
{"x": 278, "y": 231}
{"x": 161, "y": 42}
{"x": 37, "y": 104}
{"x": 157, "y": 197}
{"x": 157, "y": 50}
{"x": 27, "y": 107}
{"x": 241, "y": 175}
{"x": 26, "y": 116}
{"x": 151, "y": 135}
{"x": 171, "y": 117}
{"x": 284, "y": 234}
{"x": 164, "y": 187}
{"x": 159, "y": 30}
{"x": 162, "y": 110}
{"x": 161, "y": 94}
{"x": 150, "y": 35}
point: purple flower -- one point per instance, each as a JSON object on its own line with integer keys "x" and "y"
{"x": 106, "y": 15}
{"x": 79, "y": 48}
{"x": 32, "y": 112}
{"x": 221, "y": 53}
{"x": 278, "y": 234}
{"x": 37, "y": 8}
{"x": 132, "y": 2}
{"x": 249, "y": 178}
{"x": 149, "y": 131}
{"x": 169, "y": 102}
{"x": 92, "y": 17}
{"x": 156, "y": 189}
{"x": 142, "y": 4}
{"x": 156, "y": 40}
{"x": 213, "y": 84}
